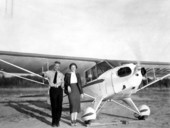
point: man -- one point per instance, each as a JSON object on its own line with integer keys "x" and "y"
{"x": 56, "y": 82}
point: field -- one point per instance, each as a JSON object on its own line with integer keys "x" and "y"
{"x": 27, "y": 107}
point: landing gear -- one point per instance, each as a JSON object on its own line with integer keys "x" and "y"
{"x": 89, "y": 115}
{"x": 87, "y": 123}
{"x": 144, "y": 112}
{"x": 142, "y": 117}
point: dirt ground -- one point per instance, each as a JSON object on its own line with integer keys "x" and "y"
{"x": 28, "y": 108}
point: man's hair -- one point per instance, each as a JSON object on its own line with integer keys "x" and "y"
{"x": 57, "y": 62}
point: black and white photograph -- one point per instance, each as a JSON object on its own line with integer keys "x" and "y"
{"x": 85, "y": 63}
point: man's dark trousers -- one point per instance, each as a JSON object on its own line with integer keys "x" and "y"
{"x": 56, "y": 98}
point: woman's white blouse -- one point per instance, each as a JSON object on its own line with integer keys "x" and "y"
{"x": 73, "y": 78}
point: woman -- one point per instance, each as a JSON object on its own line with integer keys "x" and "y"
{"x": 73, "y": 88}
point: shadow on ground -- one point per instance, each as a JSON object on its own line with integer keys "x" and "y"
{"x": 39, "y": 110}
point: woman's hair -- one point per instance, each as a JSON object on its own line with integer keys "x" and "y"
{"x": 57, "y": 62}
{"x": 73, "y": 64}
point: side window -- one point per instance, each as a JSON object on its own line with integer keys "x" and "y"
{"x": 94, "y": 73}
{"x": 125, "y": 71}
{"x": 88, "y": 76}
{"x": 99, "y": 71}
{"x": 91, "y": 74}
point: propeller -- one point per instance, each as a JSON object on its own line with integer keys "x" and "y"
{"x": 136, "y": 50}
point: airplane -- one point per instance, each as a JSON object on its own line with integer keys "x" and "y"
{"x": 102, "y": 79}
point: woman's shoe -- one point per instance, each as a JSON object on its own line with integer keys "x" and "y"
{"x": 72, "y": 123}
{"x": 75, "y": 123}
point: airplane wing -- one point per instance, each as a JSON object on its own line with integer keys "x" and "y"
{"x": 35, "y": 62}
{"x": 157, "y": 71}
{"x": 38, "y": 62}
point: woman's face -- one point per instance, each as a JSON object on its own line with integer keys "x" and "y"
{"x": 73, "y": 68}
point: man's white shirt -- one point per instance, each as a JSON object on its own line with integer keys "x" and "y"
{"x": 60, "y": 78}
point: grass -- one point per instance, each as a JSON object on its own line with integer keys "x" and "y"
{"x": 15, "y": 82}
{"x": 22, "y": 91}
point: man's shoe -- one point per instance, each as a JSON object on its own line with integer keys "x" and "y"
{"x": 53, "y": 125}
{"x": 58, "y": 124}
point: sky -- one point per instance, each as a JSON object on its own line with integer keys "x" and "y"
{"x": 106, "y": 29}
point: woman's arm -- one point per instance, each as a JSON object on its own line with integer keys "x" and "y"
{"x": 79, "y": 83}
{"x": 66, "y": 84}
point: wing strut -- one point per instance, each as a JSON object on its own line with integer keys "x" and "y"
{"x": 20, "y": 68}
{"x": 90, "y": 96}
{"x": 130, "y": 103}
{"x": 24, "y": 78}
{"x": 97, "y": 103}
{"x": 153, "y": 82}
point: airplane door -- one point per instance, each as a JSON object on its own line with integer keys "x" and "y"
{"x": 107, "y": 86}
{"x": 117, "y": 84}
{"x": 120, "y": 78}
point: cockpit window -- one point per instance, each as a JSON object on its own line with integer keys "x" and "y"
{"x": 96, "y": 71}
{"x": 125, "y": 71}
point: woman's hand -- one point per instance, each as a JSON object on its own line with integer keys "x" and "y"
{"x": 82, "y": 95}
{"x": 69, "y": 89}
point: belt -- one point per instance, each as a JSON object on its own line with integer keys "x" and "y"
{"x": 55, "y": 86}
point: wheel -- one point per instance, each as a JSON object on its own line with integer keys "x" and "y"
{"x": 142, "y": 117}
{"x": 87, "y": 122}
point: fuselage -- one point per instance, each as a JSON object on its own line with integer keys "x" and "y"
{"x": 119, "y": 82}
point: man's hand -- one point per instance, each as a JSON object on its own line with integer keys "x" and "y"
{"x": 42, "y": 74}
{"x": 62, "y": 85}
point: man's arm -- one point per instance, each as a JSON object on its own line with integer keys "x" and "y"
{"x": 44, "y": 74}
{"x": 62, "y": 81}
{"x": 65, "y": 84}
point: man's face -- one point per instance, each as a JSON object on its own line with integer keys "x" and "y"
{"x": 56, "y": 67}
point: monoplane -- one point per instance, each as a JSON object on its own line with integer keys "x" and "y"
{"x": 103, "y": 80}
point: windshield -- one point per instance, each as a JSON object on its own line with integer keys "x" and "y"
{"x": 97, "y": 70}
